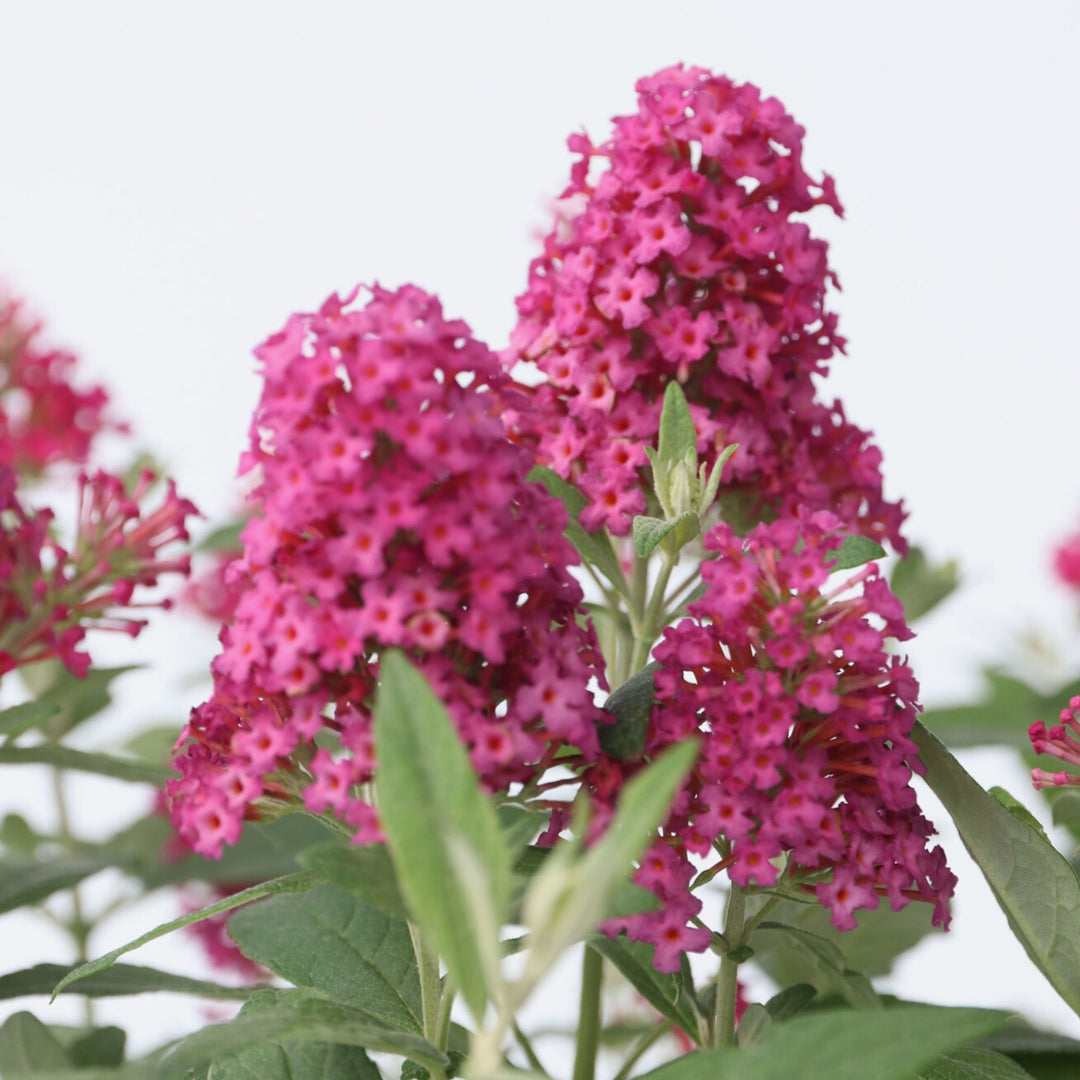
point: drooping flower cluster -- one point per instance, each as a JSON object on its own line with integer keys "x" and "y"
{"x": 394, "y": 513}
{"x": 50, "y": 595}
{"x": 684, "y": 259}
{"x": 44, "y": 419}
{"x": 805, "y": 725}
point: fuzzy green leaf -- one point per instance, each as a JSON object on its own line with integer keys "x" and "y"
{"x": 291, "y": 1016}
{"x": 1034, "y": 885}
{"x": 328, "y": 940}
{"x": 28, "y": 1046}
{"x": 854, "y": 551}
{"x": 672, "y": 995}
{"x": 841, "y": 1045}
{"x": 650, "y": 532}
{"x": 291, "y": 883}
{"x": 972, "y": 1063}
{"x": 451, "y": 857}
{"x": 631, "y": 704}
{"x": 678, "y": 437}
{"x": 594, "y": 548}
{"x": 276, "y": 1059}
{"x": 367, "y": 872}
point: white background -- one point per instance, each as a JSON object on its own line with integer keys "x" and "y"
{"x": 176, "y": 179}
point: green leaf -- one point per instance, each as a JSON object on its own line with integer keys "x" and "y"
{"x": 450, "y": 854}
{"x": 790, "y": 1001}
{"x": 1018, "y": 810}
{"x": 1034, "y": 885}
{"x": 328, "y": 940}
{"x": 1066, "y": 808}
{"x": 26, "y": 882}
{"x": 678, "y": 437}
{"x": 63, "y": 757}
{"x": 871, "y": 948}
{"x": 224, "y": 538}
{"x": 594, "y": 548}
{"x": 19, "y": 718}
{"x": 28, "y": 1046}
{"x": 854, "y": 551}
{"x": 572, "y": 893}
{"x": 118, "y": 980}
{"x": 671, "y": 995}
{"x": 650, "y": 532}
{"x": 291, "y": 1016}
{"x": 631, "y": 705}
{"x": 752, "y": 1025}
{"x": 76, "y": 699}
{"x": 17, "y": 836}
{"x": 921, "y": 586}
{"x": 972, "y": 1063}
{"x": 102, "y": 1047}
{"x": 841, "y": 1045}
{"x": 367, "y": 872}
{"x": 1044, "y": 1054}
{"x": 275, "y": 1059}
{"x": 291, "y": 883}
{"x": 825, "y": 957}
{"x": 264, "y": 851}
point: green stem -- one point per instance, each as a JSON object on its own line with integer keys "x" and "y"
{"x": 76, "y": 926}
{"x": 727, "y": 982}
{"x": 640, "y": 1047}
{"x": 649, "y": 626}
{"x": 431, "y": 991}
{"x": 588, "y": 1040}
{"x": 530, "y": 1053}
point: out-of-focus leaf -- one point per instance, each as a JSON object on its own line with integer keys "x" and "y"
{"x": 120, "y": 979}
{"x": 28, "y": 1046}
{"x": 28, "y": 882}
{"x": 63, "y": 757}
{"x": 103, "y": 1047}
{"x": 921, "y": 585}
{"x": 224, "y": 538}
{"x": 366, "y": 872}
{"x": 19, "y": 718}
{"x": 76, "y": 699}
{"x": 972, "y": 1063}
{"x": 1033, "y": 884}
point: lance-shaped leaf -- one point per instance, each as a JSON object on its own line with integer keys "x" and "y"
{"x": 451, "y": 857}
{"x": 841, "y": 1045}
{"x": 29, "y": 881}
{"x": 290, "y": 883}
{"x": 1032, "y": 882}
{"x": 631, "y": 704}
{"x": 650, "y": 532}
{"x": 19, "y": 718}
{"x": 594, "y": 548}
{"x": 854, "y": 551}
{"x": 63, "y": 757}
{"x": 120, "y": 979}
{"x": 678, "y": 438}
{"x": 295, "y": 1015}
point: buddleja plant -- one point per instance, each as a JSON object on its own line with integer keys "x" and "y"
{"x": 499, "y": 765}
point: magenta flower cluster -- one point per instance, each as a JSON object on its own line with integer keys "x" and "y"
{"x": 679, "y": 254}
{"x": 805, "y": 722}
{"x": 394, "y": 512}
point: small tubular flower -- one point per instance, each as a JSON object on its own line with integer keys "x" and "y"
{"x": 683, "y": 257}
{"x": 805, "y": 723}
{"x": 392, "y": 511}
